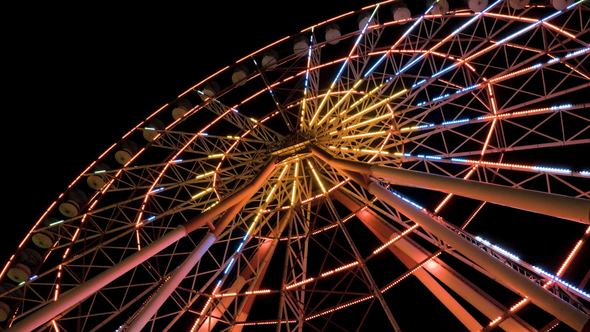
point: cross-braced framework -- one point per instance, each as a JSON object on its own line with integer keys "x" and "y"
{"x": 338, "y": 179}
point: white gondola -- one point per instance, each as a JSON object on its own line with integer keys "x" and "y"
{"x": 210, "y": 90}
{"x": 4, "y": 311}
{"x": 477, "y": 5}
{"x": 28, "y": 260}
{"x": 332, "y": 34}
{"x": 561, "y": 4}
{"x": 518, "y": 4}
{"x": 151, "y": 130}
{"x": 269, "y": 59}
{"x": 181, "y": 109}
{"x": 300, "y": 46}
{"x": 401, "y": 13}
{"x": 97, "y": 179}
{"x": 125, "y": 152}
{"x": 239, "y": 75}
{"x": 441, "y": 7}
{"x": 43, "y": 240}
{"x": 74, "y": 202}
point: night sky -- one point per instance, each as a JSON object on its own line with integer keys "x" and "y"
{"x": 79, "y": 77}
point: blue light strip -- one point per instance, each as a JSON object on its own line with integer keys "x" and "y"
{"x": 498, "y": 248}
{"x": 569, "y": 286}
{"x": 157, "y": 190}
{"x": 452, "y": 122}
{"x": 419, "y": 83}
{"x": 357, "y": 41}
{"x": 416, "y": 205}
{"x": 440, "y": 97}
{"x": 514, "y": 35}
{"x": 452, "y": 34}
{"x": 552, "y": 169}
{"x": 404, "y": 35}
{"x": 306, "y": 82}
{"x": 479, "y": 118}
{"x": 527, "y": 28}
{"x": 471, "y": 87}
{"x": 231, "y": 263}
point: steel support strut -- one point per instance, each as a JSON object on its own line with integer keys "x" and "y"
{"x": 86, "y": 289}
{"x": 571, "y": 208}
{"x": 256, "y": 266}
{"x": 506, "y": 276}
{"x": 410, "y": 254}
{"x": 161, "y": 295}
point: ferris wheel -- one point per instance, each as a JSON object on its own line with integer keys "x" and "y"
{"x": 344, "y": 177}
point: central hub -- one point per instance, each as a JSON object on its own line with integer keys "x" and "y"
{"x": 292, "y": 144}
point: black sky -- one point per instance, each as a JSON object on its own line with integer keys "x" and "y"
{"x": 77, "y": 77}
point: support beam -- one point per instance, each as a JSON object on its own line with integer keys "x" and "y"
{"x": 149, "y": 309}
{"x": 571, "y": 208}
{"x": 86, "y": 289}
{"x": 503, "y": 274}
{"x": 264, "y": 261}
{"x": 260, "y": 259}
{"x": 410, "y": 254}
{"x": 368, "y": 276}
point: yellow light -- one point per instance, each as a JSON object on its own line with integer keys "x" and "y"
{"x": 200, "y": 176}
{"x": 216, "y": 155}
{"x": 367, "y": 95}
{"x": 369, "y": 151}
{"x": 340, "y": 101}
{"x": 210, "y": 206}
{"x": 317, "y": 177}
{"x": 374, "y": 106}
{"x": 366, "y": 122}
{"x": 375, "y": 133}
{"x": 274, "y": 188}
{"x": 294, "y": 190}
{"x": 202, "y": 193}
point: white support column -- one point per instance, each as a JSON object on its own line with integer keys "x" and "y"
{"x": 86, "y": 289}
{"x": 504, "y": 275}
{"x": 571, "y": 208}
{"x": 149, "y": 309}
{"x": 410, "y": 254}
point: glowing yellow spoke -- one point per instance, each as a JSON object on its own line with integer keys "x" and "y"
{"x": 294, "y": 190}
{"x": 366, "y": 122}
{"x": 317, "y": 177}
{"x": 269, "y": 197}
{"x": 216, "y": 155}
{"x": 358, "y": 102}
{"x": 204, "y": 175}
{"x": 367, "y": 151}
{"x": 274, "y": 188}
{"x": 375, "y": 133}
{"x": 210, "y": 206}
{"x": 344, "y": 64}
{"x": 374, "y": 106}
{"x": 340, "y": 101}
{"x": 202, "y": 193}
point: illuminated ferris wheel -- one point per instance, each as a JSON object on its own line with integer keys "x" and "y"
{"x": 339, "y": 179}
